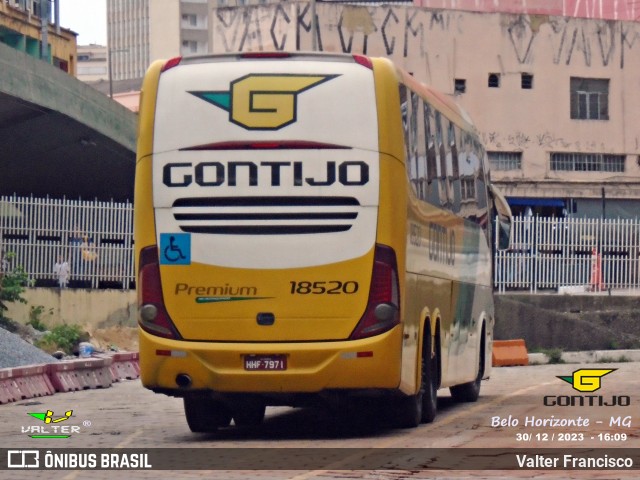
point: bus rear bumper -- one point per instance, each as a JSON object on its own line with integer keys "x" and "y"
{"x": 366, "y": 364}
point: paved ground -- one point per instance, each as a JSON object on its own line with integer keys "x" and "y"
{"x": 128, "y": 416}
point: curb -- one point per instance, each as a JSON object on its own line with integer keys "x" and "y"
{"x": 99, "y": 371}
{"x": 592, "y": 356}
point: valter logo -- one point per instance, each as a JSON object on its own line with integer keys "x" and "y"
{"x": 49, "y": 427}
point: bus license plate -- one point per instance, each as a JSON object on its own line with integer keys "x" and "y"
{"x": 265, "y": 362}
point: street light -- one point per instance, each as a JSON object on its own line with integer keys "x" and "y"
{"x": 109, "y": 53}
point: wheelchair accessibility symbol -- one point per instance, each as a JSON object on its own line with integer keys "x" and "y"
{"x": 175, "y": 249}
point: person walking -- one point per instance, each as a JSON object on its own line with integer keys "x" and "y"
{"x": 61, "y": 269}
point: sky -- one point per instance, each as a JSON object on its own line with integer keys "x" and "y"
{"x": 88, "y": 18}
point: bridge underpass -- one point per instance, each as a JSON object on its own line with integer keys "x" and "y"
{"x": 60, "y": 137}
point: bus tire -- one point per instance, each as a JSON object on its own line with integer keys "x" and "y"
{"x": 429, "y": 381}
{"x": 248, "y": 413}
{"x": 469, "y": 392}
{"x": 408, "y": 410}
{"x": 205, "y": 415}
{"x": 413, "y": 410}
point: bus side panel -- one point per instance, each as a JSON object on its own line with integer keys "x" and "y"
{"x": 392, "y": 229}
{"x": 144, "y": 226}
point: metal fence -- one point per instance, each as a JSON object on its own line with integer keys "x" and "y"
{"x": 570, "y": 254}
{"x": 95, "y": 238}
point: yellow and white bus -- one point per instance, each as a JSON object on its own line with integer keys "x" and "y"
{"x": 309, "y": 227}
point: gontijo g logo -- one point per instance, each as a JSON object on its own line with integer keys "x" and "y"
{"x": 587, "y": 380}
{"x": 263, "y": 101}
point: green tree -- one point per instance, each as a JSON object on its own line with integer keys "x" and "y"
{"x": 12, "y": 285}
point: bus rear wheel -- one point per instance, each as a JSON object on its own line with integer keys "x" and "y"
{"x": 430, "y": 369}
{"x": 470, "y": 392}
{"x": 421, "y": 407}
{"x": 248, "y": 412}
{"x": 205, "y": 415}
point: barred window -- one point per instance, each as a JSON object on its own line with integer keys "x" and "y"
{"x": 505, "y": 160}
{"x": 468, "y": 185}
{"x": 589, "y": 98}
{"x": 587, "y": 162}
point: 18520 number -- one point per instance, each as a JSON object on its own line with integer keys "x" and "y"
{"x": 331, "y": 287}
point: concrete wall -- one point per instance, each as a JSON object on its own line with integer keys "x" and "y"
{"x": 88, "y": 308}
{"x": 569, "y": 322}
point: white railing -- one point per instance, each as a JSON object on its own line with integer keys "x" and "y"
{"x": 95, "y": 238}
{"x": 548, "y": 254}
{"x": 579, "y": 254}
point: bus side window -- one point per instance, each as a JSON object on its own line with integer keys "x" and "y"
{"x": 413, "y": 143}
{"x": 482, "y": 186}
{"x": 409, "y": 108}
{"x": 453, "y": 167}
{"x": 404, "y": 113}
{"x": 432, "y": 156}
{"x": 442, "y": 156}
{"x": 453, "y": 134}
{"x": 432, "y": 169}
{"x": 469, "y": 172}
{"x": 423, "y": 184}
{"x": 442, "y": 133}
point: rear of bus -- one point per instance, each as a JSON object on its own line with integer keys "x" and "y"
{"x": 267, "y": 268}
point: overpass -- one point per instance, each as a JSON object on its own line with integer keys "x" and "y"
{"x": 60, "y": 137}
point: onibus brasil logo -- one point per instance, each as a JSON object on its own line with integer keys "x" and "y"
{"x": 50, "y": 429}
{"x": 263, "y": 101}
{"x": 587, "y": 380}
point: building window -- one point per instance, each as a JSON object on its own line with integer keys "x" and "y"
{"x": 589, "y": 98}
{"x": 460, "y": 85}
{"x": 468, "y": 187}
{"x": 191, "y": 19}
{"x": 587, "y": 162}
{"x": 189, "y": 46}
{"x": 505, "y": 160}
{"x": 526, "y": 81}
{"x": 494, "y": 80}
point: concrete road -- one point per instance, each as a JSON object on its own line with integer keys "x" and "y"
{"x": 511, "y": 413}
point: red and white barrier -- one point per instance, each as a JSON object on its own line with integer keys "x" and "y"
{"x": 24, "y": 382}
{"x": 99, "y": 371}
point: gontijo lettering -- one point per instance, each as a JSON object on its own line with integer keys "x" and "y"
{"x": 216, "y": 174}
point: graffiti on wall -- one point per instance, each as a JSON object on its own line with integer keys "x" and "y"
{"x": 389, "y": 31}
{"x": 409, "y": 32}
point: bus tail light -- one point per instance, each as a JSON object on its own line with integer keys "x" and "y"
{"x": 383, "y": 307}
{"x": 152, "y": 316}
{"x": 364, "y": 61}
{"x": 173, "y": 62}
